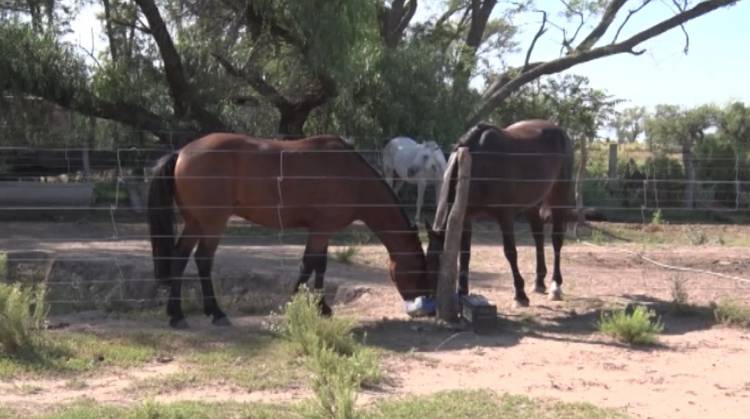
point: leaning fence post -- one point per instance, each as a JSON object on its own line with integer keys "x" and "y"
{"x": 447, "y": 308}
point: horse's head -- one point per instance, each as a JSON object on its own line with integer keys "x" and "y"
{"x": 429, "y": 161}
{"x": 409, "y": 270}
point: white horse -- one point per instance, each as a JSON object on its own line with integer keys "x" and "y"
{"x": 419, "y": 164}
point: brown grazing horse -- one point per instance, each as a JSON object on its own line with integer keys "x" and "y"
{"x": 318, "y": 183}
{"x": 525, "y": 167}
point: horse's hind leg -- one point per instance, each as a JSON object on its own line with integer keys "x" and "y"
{"x": 509, "y": 247}
{"x": 182, "y": 251}
{"x": 537, "y": 231}
{"x": 315, "y": 260}
{"x": 558, "y": 236}
{"x": 204, "y": 259}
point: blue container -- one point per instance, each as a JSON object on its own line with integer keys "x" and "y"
{"x": 420, "y": 307}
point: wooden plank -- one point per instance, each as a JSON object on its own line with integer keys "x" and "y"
{"x": 447, "y": 307}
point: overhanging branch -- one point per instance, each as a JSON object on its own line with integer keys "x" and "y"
{"x": 539, "y": 33}
{"x": 501, "y": 89}
{"x": 607, "y": 18}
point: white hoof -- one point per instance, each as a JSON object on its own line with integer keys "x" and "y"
{"x": 555, "y": 293}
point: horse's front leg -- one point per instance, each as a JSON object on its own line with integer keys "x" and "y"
{"x": 558, "y": 237}
{"x": 388, "y": 174}
{"x": 421, "y": 186}
{"x": 509, "y": 247}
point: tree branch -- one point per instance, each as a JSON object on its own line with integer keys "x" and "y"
{"x": 447, "y": 15}
{"x": 394, "y": 19}
{"x": 607, "y": 18}
{"x": 627, "y": 18}
{"x": 480, "y": 14}
{"x": 186, "y": 107}
{"x": 567, "y": 43}
{"x": 539, "y": 33}
{"x": 500, "y": 91}
{"x": 254, "y": 79}
{"x": 681, "y": 8}
{"x": 178, "y": 85}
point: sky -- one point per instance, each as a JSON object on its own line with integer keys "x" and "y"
{"x": 716, "y": 69}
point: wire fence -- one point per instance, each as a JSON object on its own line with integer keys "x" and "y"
{"x": 90, "y": 261}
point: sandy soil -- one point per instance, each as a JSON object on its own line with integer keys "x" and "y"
{"x": 548, "y": 350}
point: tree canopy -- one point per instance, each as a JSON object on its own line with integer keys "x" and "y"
{"x": 366, "y": 69}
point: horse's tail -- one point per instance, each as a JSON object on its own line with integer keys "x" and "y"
{"x": 562, "y": 196}
{"x": 161, "y": 193}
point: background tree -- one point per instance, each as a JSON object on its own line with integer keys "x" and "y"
{"x": 628, "y": 124}
{"x": 180, "y": 68}
{"x": 671, "y": 126}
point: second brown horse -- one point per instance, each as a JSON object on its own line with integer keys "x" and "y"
{"x": 319, "y": 183}
{"x": 523, "y": 168}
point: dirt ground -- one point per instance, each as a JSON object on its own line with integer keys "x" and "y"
{"x": 550, "y": 349}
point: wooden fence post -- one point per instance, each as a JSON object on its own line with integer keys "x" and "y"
{"x": 447, "y": 308}
{"x": 613, "y": 161}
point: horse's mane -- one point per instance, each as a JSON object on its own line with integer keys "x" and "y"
{"x": 378, "y": 176}
{"x": 472, "y": 136}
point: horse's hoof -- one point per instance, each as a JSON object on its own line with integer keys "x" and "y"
{"x": 179, "y": 324}
{"x": 540, "y": 289}
{"x": 555, "y": 295}
{"x": 222, "y": 321}
{"x": 521, "y": 302}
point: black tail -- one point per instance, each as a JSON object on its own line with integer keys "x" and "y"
{"x": 161, "y": 216}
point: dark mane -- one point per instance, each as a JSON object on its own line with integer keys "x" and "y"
{"x": 384, "y": 184}
{"x": 472, "y": 136}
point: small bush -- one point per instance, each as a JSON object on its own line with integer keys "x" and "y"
{"x": 346, "y": 254}
{"x": 732, "y": 313}
{"x": 339, "y": 364}
{"x": 696, "y": 237}
{"x": 656, "y": 218}
{"x": 636, "y": 327}
{"x": 679, "y": 296}
{"x": 22, "y": 313}
{"x": 303, "y": 325}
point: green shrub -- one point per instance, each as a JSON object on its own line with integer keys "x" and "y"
{"x": 636, "y": 327}
{"x": 680, "y": 303}
{"x": 346, "y": 254}
{"x": 303, "y": 325}
{"x": 340, "y": 365}
{"x": 656, "y": 218}
{"x": 22, "y": 313}
{"x": 732, "y": 313}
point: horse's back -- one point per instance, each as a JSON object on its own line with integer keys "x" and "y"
{"x": 514, "y": 166}
{"x": 253, "y": 178}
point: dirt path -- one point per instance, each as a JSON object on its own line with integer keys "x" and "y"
{"x": 549, "y": 350}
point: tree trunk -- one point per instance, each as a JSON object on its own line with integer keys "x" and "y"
{"x": 292, "y": 121}
{"x": 113, "y": 47}
{"x": 687, "y": 161}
